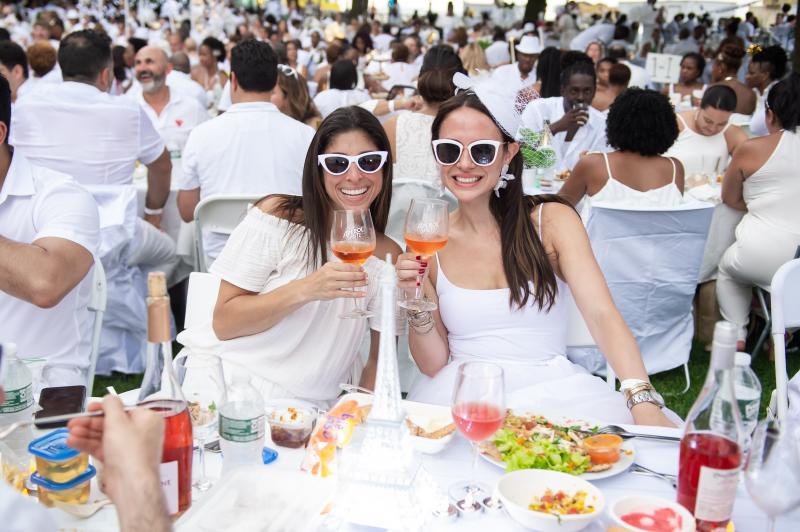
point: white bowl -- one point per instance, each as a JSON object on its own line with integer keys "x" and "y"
{"x": 647, "y": 504}
{"x": 518, "y": 488}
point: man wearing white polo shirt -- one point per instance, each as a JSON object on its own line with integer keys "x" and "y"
{"x": 49, "y": 231}
{"x": 252, "y": 148}
{"x": 516, "y": 76}
{"x": 173, "y": 115}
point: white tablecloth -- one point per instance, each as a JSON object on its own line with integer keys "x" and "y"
{"x": 453, "y": 465}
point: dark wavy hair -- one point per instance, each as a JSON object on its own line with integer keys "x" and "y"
{"x": 548, "y": 71}
{"x": 773, "y": 60}
{"x": 435, "y": 82}
{"x": 641, "y": 121}
{"x": 782, "y": 100}
{"x": 720, "y": 97}
{"x": 699, "y": 60}
{"x": 216, "y": 46}
{"x": 524, "y": 257}
{"x": 313, "y": 211}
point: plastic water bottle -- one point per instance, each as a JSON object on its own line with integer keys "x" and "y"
{"x": 241, "y": 425}
{"x": 748, "y": 396}
{"x": 18, "y": 406}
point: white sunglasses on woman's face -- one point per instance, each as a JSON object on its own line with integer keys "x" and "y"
{"x": 482, "y": 152}
{"x": 337, "y": 163}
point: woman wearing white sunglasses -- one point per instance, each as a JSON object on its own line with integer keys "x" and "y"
{"x": 502, "y": 280}
{"x": 281, "y": 294}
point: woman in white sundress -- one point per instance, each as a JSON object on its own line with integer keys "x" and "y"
{"x": 502, "y": 279}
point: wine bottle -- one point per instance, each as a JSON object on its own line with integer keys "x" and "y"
{"x": 162, "y": 393}
{"x": 710, "y": 454}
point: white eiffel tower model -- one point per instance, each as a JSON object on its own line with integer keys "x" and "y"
{"x": 381, "y": 478}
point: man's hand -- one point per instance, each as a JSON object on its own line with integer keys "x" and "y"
{"x": 153, "y": 219}
{"x": 571, "y": 121}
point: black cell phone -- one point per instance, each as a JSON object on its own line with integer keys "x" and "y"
{"x": 60, "y": 400}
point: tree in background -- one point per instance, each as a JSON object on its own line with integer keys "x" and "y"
{"x": 533, "y": 10}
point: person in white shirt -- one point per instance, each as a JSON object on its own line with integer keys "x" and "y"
{"x": 49, "y": 232}
{"x": 173, "y": 115}
{"x": 576, "y": 126}
{"x": 685, "y": 44}
{"x": 381, "y": 40}
{"x": 14, "y": 67}
{"x": 602, "y": 32}
{"x": 414, "y": 45}
{"x": 498, "y": 53}
{"x": 252, "y": 148}
{"x": 516, "y": 76}
{"x": 342, "y": 91}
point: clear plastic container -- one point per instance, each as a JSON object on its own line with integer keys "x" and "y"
{"x": 603, "y": 448}
{"x": 76, "y": 491}
{"x": 55, "y": 460}
{"x": 290, "y": 424}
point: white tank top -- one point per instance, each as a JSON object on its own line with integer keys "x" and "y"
{"x": 700, "y": 153}
{"x": 482, "y": 325}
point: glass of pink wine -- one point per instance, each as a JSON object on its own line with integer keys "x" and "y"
{"x": 425, "y": 233}
{"x": 478, "y": 412}
{"x": 353, "y": 241}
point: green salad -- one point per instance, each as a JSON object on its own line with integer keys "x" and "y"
{"x": 555, "y": 454}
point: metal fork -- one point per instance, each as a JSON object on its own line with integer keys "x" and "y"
{"x": 619, "y": 431}
{"x": 642, "y": 470}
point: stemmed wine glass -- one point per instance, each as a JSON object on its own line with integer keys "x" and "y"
{"x": 425, "y": 233}
{"x": 478, "y": 412}
{"x": 353, "y": 241}
{"x": 772, "y": 473}
{"x": 203, "y": 384}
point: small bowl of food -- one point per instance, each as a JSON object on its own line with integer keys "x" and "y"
{"x": 291, "y": 423}
{"x": 603, "y": 448}
{"x": 549, "y": 501}
{"x": 430, "y": 430}
{"x": 641, "y": 513}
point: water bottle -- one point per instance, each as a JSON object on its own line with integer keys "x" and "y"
{"x": 18, "y": 406}
{"x": 241, "y": 425}
{"x": 748, "y": 396}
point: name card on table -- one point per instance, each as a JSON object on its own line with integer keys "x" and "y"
{"x": 663, "y": 68}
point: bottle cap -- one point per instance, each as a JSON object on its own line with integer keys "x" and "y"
{"x": 742, "y": 359}
{"x": 156, "y": 284}
{"x": 723, "y": 347}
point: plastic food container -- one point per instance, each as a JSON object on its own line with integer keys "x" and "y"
{"x": 291, "y": 425}
{"x": 55, "y": 461}
{"x": 76, "y": 491}
{"x": 603, "y": 448}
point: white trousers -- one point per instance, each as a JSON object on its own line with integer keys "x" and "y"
{"x": 751, "y": 261}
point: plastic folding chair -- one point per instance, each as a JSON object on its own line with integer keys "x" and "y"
{"x": 97, "y": 304}
{"x": 218, "y": 214}
{"x": 201, "y": 297}
{"x": 785, "y": 291}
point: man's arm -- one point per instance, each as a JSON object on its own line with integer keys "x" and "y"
{"x": 187, "y": 201}
{"x": 43, "y": 272}
{"x": 159, "y": 174}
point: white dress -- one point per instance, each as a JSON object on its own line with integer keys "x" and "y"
{"x": 700, "y": 153}
{"x": 529, "y": 345}
{"x": 618, "y": 193}
{"x": 309, "y": 352}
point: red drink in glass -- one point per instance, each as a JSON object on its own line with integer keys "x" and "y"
{"x": 477, "y": 421}
{"x": 176, "y": 461}
{"x": 720, "y": 457}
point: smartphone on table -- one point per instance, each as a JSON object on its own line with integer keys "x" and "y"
{"x": 59, "y": 400}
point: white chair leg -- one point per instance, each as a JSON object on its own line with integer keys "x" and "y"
{"x": 772, "y": 413}
{"x": 687, "y": 377}
{"x": 781, "y": 378}
{"x": 762, "y": 302}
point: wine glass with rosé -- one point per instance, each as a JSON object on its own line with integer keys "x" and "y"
{"x": 353, "y": 241}
{"x": 478, "y": 411}
{"x": 425, "y": 233}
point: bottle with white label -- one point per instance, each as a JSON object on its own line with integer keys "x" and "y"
{"x": 241, "y": 425}
{"x": 18, "y": 406}
{"x": 748, "y": 396}
{"x": 710, "y": 455}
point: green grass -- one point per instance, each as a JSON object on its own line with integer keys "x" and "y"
{"x": 669, "y": 383}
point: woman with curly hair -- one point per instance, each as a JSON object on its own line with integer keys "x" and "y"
{"x": 207, "y": 73}
{"x": 641, "y": 127}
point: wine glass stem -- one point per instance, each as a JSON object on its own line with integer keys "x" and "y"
{"x": 418, "y": 294}
{"x": 473, "y": 486}
{"x": 771, "y": 523}
{"x": 356, "y": 300}
{"x": 202, "y": 458}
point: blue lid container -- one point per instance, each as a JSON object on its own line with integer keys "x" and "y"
{"x": 53, "y": 447}
{"x": 61, "y": 486}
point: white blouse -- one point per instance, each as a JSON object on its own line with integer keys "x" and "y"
{"x": 312, "y": 350}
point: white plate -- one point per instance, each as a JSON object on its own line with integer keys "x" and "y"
{"x": 423, "y": 445}
{"x": 627, "y": 455}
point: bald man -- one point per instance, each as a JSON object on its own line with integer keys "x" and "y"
{"x": 173, "y": 114}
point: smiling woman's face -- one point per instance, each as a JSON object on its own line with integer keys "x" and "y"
{"x": 354, "y": 189}
{"x": 465, "y": 179}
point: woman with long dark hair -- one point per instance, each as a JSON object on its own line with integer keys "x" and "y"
{"x": 502, "y": 280}
{"x": 281, "y": 294}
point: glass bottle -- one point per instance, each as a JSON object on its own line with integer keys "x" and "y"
{"x": 162, "y": 393}
{"x": 710, "y": 452}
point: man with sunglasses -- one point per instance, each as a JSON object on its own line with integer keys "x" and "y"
{"x": 576, "y": 126}
{"x": 252, "y": 148}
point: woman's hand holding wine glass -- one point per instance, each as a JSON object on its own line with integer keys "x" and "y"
{"x": 426, "y": 231}
{"x": 353, "y": 241}
{"x": 334, "y": 280}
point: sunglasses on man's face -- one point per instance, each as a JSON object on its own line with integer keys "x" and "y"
{"x": 482, "y": 152}
{"x": 338, "y": 164}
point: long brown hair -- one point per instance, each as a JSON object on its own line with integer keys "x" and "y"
{"x": 524, "y": 256}
{"x": 313, "y": 211}
{"x": 295, "y": 89}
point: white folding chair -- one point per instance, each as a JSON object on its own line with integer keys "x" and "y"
{"x": 97, "y": 304}
{"x": 201, "y": 296}
{"x": 218, "y": 214}
{"x": 651, "y": 261}
{"x": 785, "y": 290}
{"x": 578, "y": 336}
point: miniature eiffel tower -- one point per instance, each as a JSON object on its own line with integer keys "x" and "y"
{"x": 380, "y": 476}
